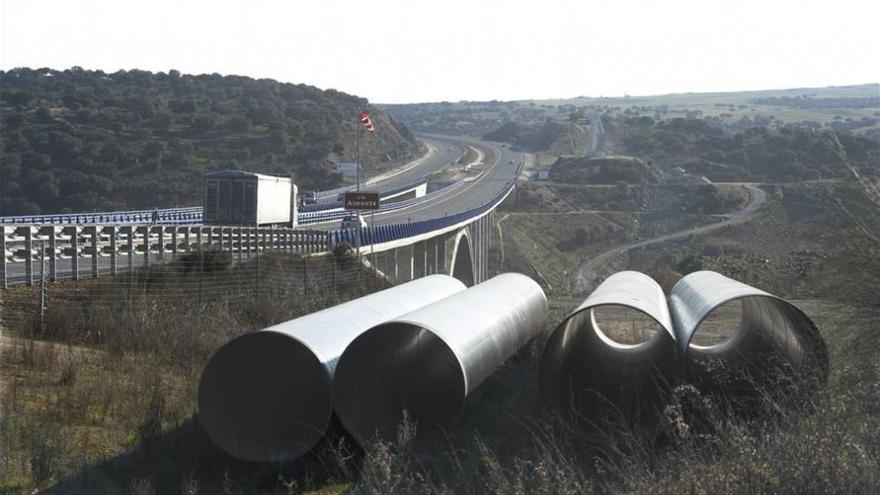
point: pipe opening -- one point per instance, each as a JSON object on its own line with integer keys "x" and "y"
{"x": 719, "y": 328}
{"x": 392, "y": 368}
{"x": 591, "y": 380}
{"x": 265, "y": 397}
{"x": 623, "y": 327}
{"x": 773, "y": 360}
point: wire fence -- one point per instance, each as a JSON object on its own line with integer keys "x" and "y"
{"x": 188, "y": 306}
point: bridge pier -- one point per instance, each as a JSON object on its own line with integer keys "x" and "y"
{"x": 419, "y": 259}
{"x": 440, "y": 255}
{"x": 406, "y": 265}
{"x": 478, "y": 250}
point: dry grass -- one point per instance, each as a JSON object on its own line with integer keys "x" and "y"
{"x": 110, "y": 370}
{"x": 99, "y": 396}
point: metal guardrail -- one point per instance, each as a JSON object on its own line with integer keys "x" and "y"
{"x": 336, "y": 214}
{"x": 384, "y": 195}
{"x": 186, "y": 215}
{"x": 107, "y": 249}
{"x": 192, "y": 215}
{"x": 388, "y": 233}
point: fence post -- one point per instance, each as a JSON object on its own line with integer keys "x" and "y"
{"x": 161, "y": 230}
{"x": 130, "y": 243}
{"x": 131, "y": 232}
{"x": 305, "y": 276}
{"x": 113, "y": 261}
{"x": 3, "y": 283}
{"x": 258, "y": 277}
{"x": 240, "y": 246}
{"x": 53, "y": 256}
{"x": 43, "y": 288}
{"x": 147, "y": 246}
{"x": 74, "y": 247}
{"x": 201, "y": 271}
{"x": 94, "y": 243}
{"x": 29, "y": 255}
{"x": 174, "y": 242}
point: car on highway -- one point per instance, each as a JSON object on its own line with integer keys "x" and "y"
{"x": 353, "y": 220}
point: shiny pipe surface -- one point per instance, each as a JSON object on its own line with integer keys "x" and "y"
{"x": 773, "y": 344}
{"x": 428, "y": 361}
{"x": 267, "y": 395}
{"x": 588, "y": 379}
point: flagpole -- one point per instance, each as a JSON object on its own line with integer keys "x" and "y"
{"x": 359, "y": 156}
{"x": 358, "y": 188}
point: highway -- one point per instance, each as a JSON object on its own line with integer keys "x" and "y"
{"x": 443, "y": 152}
{"x": 501, "y": 166}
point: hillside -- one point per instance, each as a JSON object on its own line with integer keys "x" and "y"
{"x": 605, "y": 170}
{"x": 79, "y": 140}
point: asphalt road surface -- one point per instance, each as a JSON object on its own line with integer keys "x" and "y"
{"x": 440, "y": 154}
{"x": 501, "y": 165}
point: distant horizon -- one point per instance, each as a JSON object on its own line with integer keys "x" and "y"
{"x": 380, "y": 103}
{"x": 398, "y": 51}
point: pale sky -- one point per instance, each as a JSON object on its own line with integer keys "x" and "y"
{"x": 414, "y": 51}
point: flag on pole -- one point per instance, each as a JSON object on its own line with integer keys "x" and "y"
{"x": 368, "y": 124}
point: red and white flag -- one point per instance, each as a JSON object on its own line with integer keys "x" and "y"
{"x": 365, "y": 120}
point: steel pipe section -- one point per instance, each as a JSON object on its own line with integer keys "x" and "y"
{"x": 267, "y": 395}
{"x": 773, "y": 347}
{"x": 428, "y": 361}
{"x": 590, "y": 380}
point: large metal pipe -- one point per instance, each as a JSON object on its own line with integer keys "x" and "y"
{"x": 267, "y": 395}
{"x": 773, "y": 345}
{"x": 591, "y": 380}
{"x": 428, "y": 361}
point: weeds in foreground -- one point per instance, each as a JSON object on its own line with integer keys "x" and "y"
{"x": 82, "y": 413}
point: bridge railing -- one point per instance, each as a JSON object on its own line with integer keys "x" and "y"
{"x": 74, "y": 251}
{"x": 185, "y": 215}
{"x": 194, "y": 215}
{"x": 332, "y": 205}
{"x": 381, "y": 234}
{"x": 337, "y": 214}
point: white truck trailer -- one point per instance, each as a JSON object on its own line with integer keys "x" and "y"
{"x": 236, "y": 197}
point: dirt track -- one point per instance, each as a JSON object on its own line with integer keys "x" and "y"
{"x": 586, "y": 279}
